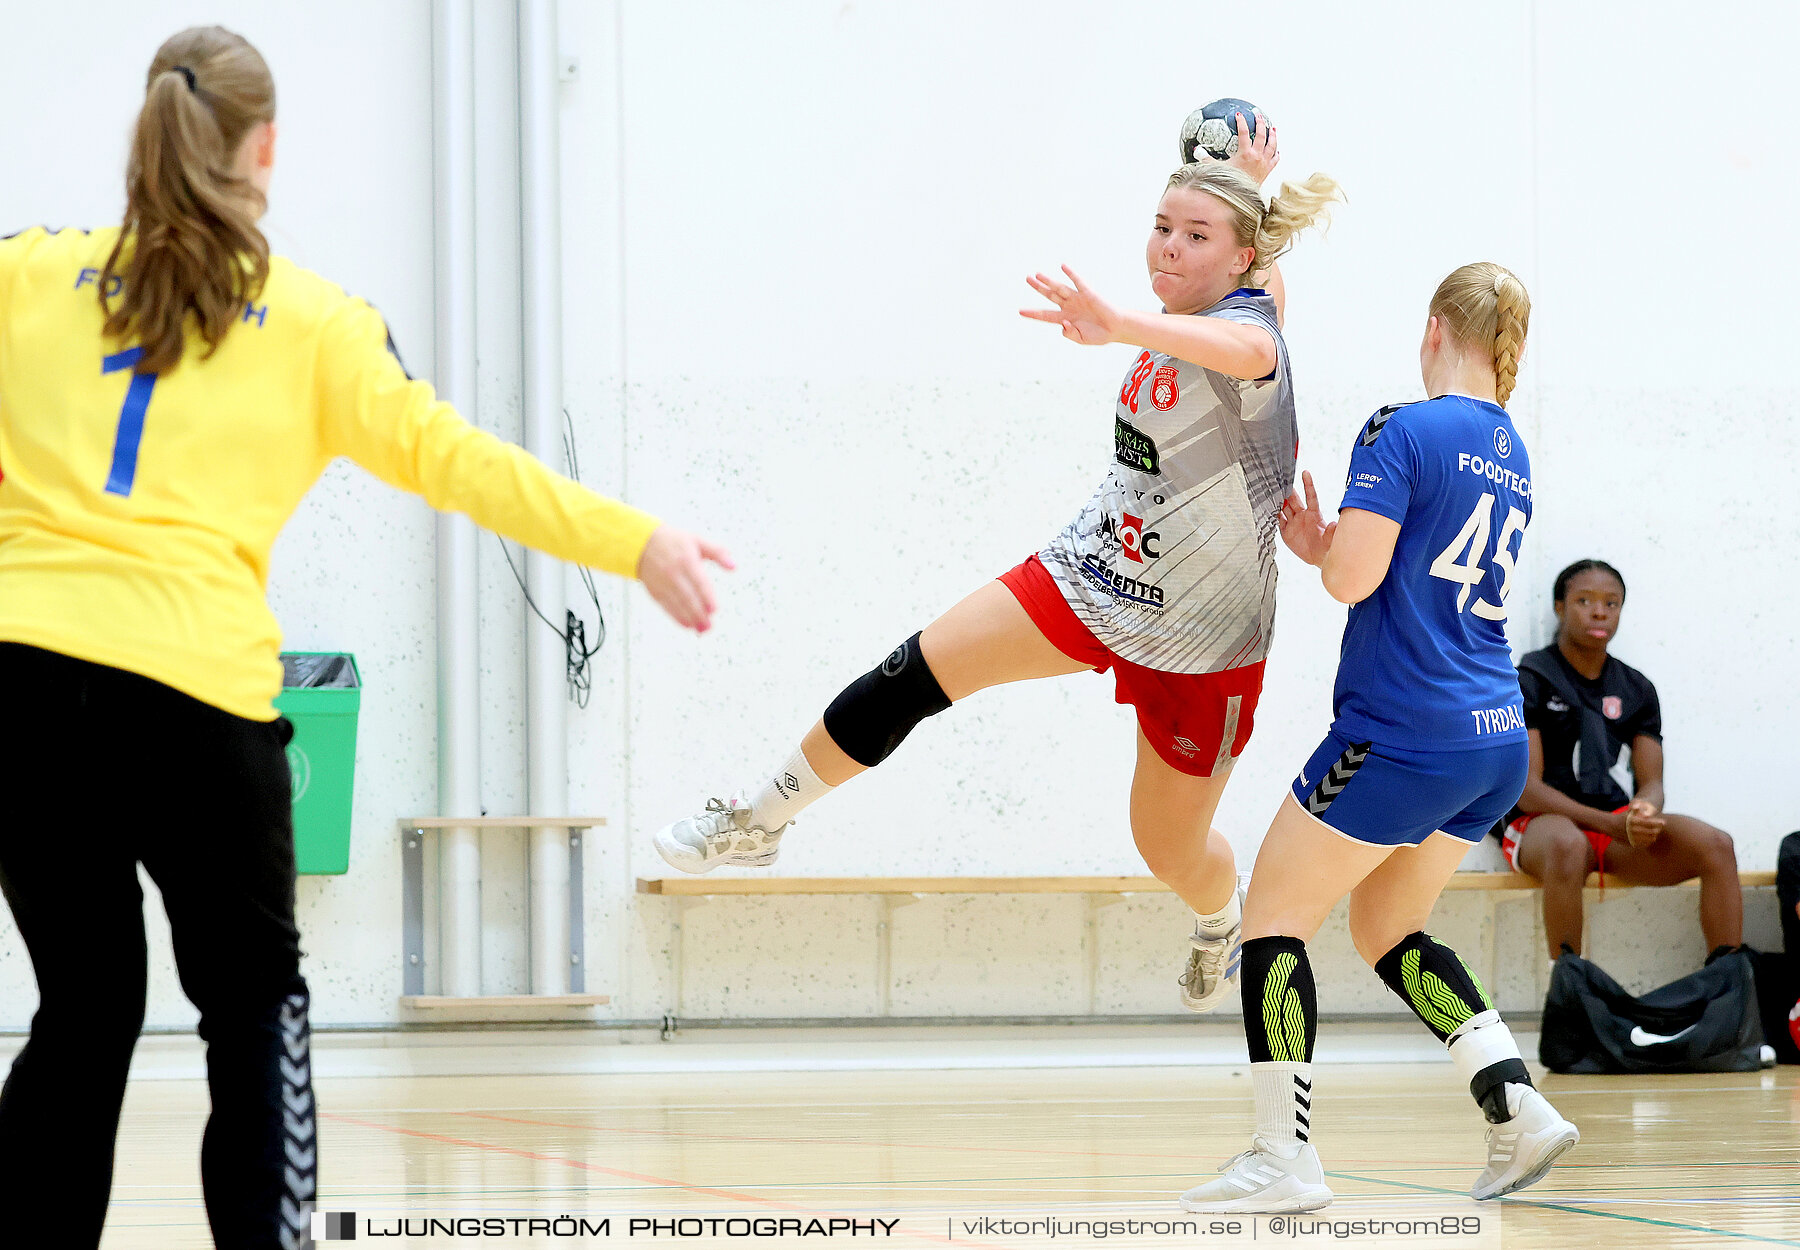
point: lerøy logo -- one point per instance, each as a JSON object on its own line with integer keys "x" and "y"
{"x": 1133, "y": 448}
{"x": 1164, "y": 393}
{"x": 1612, "y": 707}
{"x": 1502, "y": 443}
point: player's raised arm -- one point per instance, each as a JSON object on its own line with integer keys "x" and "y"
{"x": 1211, "y": 229}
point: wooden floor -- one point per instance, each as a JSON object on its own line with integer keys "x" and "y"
{"x": 1679, "y": 1161}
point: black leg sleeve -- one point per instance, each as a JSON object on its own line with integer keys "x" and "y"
{"x": 1281, "y": 1006}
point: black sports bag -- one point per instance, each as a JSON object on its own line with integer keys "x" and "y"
{"x": 1706, "y": 1022}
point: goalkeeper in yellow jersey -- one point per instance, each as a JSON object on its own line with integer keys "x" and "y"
{"x": 168, "y": 393}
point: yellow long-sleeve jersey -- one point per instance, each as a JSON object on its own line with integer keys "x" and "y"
{"x": 137, "y": 511}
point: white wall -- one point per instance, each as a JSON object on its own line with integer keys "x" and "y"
{"x": 795, "y": 238}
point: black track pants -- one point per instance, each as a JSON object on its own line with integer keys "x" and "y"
{"x": 102, "y": 770}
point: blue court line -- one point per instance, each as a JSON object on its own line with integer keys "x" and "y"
{"x": 1554, "y": 1206}
{"x": 518, "y": 1191}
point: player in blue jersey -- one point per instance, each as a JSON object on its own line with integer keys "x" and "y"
{"x": 1427, "y": 751}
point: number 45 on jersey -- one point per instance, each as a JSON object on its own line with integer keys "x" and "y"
{"x": 1472, "y": 539}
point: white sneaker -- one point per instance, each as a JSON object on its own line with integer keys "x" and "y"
{"x": 1264, "y": 1181}
{"x": 722, "y": 834}
{"x": 1521, "y": 1150}
{"x": 1212, "y": 966}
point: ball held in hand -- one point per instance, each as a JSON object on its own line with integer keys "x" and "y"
{"x": 1212, "y": 129}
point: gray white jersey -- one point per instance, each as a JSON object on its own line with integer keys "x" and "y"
{"x": 1172, "y": 563}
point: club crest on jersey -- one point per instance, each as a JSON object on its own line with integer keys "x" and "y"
{"x": 1134, "y": 448}
{"x": 1612, "y": 707}
{"x": 1164, "y": 393}
{"x": 1502, "y": 443}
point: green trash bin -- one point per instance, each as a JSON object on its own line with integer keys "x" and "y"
{"x": 321, "y": 693}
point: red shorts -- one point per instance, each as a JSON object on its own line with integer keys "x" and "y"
{"x": 1509, "y": 842}
{"x": 1197, "y": 722}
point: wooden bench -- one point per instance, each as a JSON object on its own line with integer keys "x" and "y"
{"x": 1100, "y": 891}
{"x": 413, "y": 832}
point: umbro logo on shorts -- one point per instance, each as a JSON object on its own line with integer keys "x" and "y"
{"x": 1337, "y": 777}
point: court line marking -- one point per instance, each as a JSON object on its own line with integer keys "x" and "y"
{"x": 1200, "y": 1159}
{"x": 1186, "y": 1100}
{"x": 833, "y": 1141}
{"x": 904, "y": 1190}
{"x": 1557, "y": 1206}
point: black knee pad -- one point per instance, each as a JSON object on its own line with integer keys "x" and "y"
{"x": 876, "y": 711}
{"x": 1281, "y": 1005}
{"x": 1433, "y": 980}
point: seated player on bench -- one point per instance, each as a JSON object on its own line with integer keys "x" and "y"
{"x": 1593, "y": 799}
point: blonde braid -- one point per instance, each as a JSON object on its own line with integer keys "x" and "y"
{"x": 1485, "y": 305}
{"x": 1512, "y": 310}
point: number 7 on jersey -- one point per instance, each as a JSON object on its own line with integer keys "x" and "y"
{"x": 131, "y": 420}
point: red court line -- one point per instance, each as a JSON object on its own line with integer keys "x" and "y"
{"x": 564, "y": 1160}
{"x": 829, "y": 1141}
{"x": 641, "y": 1177}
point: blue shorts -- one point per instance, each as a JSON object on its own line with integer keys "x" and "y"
{"x": 1386, "y": 796}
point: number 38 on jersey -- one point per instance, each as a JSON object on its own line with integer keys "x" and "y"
{"x": 1461, "y": 561}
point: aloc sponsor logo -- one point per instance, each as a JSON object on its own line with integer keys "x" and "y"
{"x": 1134, "y": 544}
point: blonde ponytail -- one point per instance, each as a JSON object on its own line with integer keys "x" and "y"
{"x": 1484, "y": 305}
{"x": 190, "y": 242}
{"x": 1290, "y": 212}
{"x": 1270, "y": 229}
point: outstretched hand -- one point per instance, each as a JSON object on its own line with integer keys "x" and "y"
{"x": 1085, "y": 318}
{"x": 673, "y": 570}
{"x": 1303, "y": 527}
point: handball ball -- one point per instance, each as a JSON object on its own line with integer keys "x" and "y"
{"x": 1212, "y": 129}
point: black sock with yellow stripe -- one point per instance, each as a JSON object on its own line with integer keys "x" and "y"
{"x": 1281, "y": 1022}
{"x": 1432, "y": 979}
{"x": 1445, "y": 993}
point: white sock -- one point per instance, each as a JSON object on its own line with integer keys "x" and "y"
{"x": 1223, "y": 921}
{"x": 1283, "y": 1104}
{"x": 785, "y": 793}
